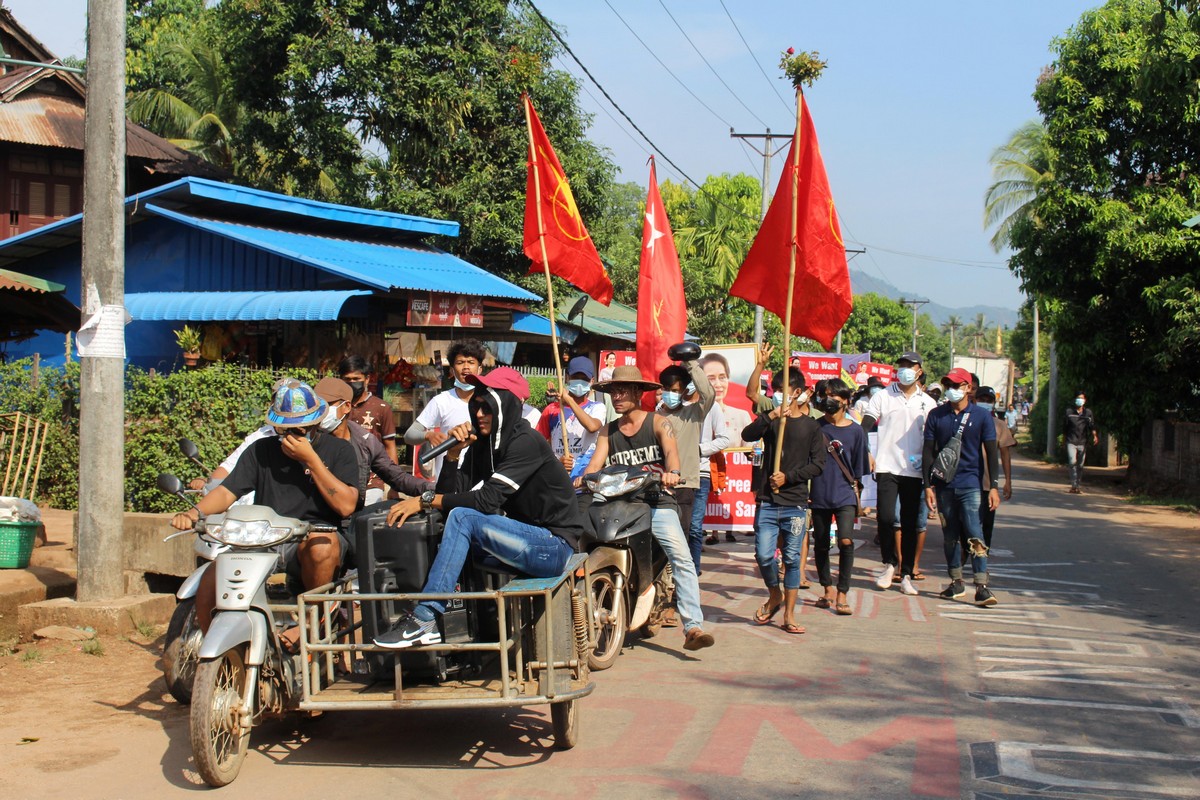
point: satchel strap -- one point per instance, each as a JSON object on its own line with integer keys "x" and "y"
{"x": 837, "y": 457}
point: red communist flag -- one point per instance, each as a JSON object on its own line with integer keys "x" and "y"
{"x": 661, "y": 310}
{"x": 569, "y": 249}
{"x": 822, "y": 300}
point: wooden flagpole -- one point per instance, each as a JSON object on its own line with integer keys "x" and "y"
{"x": 787, "y": 318}
{"x": 537, "y": 193}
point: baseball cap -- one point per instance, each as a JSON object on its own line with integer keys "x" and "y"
{"x": 296, "y": 405}
{"x": 911, "y": 355}
{"x": 504, "y": 378}
{"x": 957, "y": 376}
{"x": 874, "y": 381}
{"x": 334, "y": 390}
{"x": 582, "y": 365}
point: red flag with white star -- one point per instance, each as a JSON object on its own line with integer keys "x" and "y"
{"x": 662, "y": 310}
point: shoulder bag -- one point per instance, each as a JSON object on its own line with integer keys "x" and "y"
{"x": 945, "y": 464}
{"x": 835, "y": 451}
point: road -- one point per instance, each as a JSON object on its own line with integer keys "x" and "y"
{"x": 1082, "y": 683}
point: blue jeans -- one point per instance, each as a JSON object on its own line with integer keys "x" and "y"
{"x": 960, "y": 520}
{"x": 528, "y": 549}
{"x": 696, "y": 532}
{"x": 669, "y": 533}
{"x": 772, "y": 520}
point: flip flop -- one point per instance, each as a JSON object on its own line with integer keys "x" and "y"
{"x": 918, "y": 576}
{"x": 843, "y": 609}
{"x": 765, "y": 619}
{"x": 823, "y": 602}
{"x": 791, "y": 627}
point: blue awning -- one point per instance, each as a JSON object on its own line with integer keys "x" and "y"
{"x": 383, "y": 266}
{"x": 244, "y": 306}
{"x": 536, "y": 324}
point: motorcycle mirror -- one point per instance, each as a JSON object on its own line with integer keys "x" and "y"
{"x": 189, "y": 449}
{"x": 683, "y": 351}
{"x": 169, "y": 484}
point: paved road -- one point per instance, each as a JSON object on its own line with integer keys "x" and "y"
{"x": 1082, "y": 683}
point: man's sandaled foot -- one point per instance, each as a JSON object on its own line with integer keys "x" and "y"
{"x": 791, "y": 627}
{"x": 766, "y": 613}
{"x": 843, "y": 609}
{"x": 824, "y": 602}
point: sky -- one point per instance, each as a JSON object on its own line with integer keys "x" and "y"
{"x": 914, "y": 99}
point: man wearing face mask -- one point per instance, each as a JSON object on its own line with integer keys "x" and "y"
{"x": 680, "y": 382}
{"x": 1079, "y": 426}
{"x": 958, "y": 499}
{"x": 898, "y": 414}
{"x": 370, "y": 412}
{"x": 448, "y": 409}
{"x": 373, "y": 460}
{"x": 584, "y": 417}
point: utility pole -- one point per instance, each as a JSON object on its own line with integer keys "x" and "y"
{"x": 102, "y": 299}
{"x": 1036, "y": 354}
{"x": 766, "y": 152}
{"x": 915, "y": 305}
{"x": 1052, "y": 400}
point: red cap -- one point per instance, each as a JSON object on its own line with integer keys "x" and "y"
{"x": 957, "y": 376}
{"x": 504, "y": 378}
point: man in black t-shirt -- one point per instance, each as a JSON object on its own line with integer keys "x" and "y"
{"x": 299, "y": 473}
{"x": 1078, "y": 427}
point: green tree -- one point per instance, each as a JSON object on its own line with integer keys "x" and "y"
{"x": 880, "y": 325}
{"x": 1020, "y": 167}
{"x": 1103, "y": 247}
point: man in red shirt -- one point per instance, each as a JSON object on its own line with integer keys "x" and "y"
{"x": 372, "y": 413}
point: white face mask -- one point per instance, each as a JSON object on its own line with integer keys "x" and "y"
{"x": 331, "y": 420}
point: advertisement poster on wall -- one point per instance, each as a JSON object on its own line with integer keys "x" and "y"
{"x": 728, "y": 367}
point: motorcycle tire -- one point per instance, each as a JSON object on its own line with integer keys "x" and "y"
{"x": 564, "y": 719}
{"x": 612, "y": 621}
{"x": 219, "y": 743}
{"x": 181, "y": 651}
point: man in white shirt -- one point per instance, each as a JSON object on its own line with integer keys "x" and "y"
{"x": 898, "y": 414}
{"x": 449, "y": 408}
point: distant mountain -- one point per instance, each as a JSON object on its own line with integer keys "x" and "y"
{"x": 862, "y": 283}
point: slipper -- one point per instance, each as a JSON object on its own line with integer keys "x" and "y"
{"x": 805, "y": 585}
{"x": 791, "y": 627}
{"x": 844, "y": 609}
{"x": 290, "y": 646}
{"x": 918, "y": 576}
{"x": 823, "y": 602}
{"x": 761, "y": 618}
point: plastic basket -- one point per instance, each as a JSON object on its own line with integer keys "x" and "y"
{"x": 16, "y": 544}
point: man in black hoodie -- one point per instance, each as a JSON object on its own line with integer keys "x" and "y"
{"x": 507, "y": 467}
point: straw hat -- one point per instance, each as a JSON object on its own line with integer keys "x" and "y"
{"x": 627, "y": 374}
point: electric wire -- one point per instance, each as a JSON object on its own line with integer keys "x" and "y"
{"x": 754, "y": 58}
{"x": 709, "y": 65}
{"x": 958, "y": 262}
{"x": 664, "y": 66}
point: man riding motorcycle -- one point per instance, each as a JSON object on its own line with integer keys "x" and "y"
{"x": 299, "y": 473}
{"x": 509, "y": 468}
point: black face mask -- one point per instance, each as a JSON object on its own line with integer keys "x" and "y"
{"x": 357, "y": 387}
{"x": 830, "y": 405}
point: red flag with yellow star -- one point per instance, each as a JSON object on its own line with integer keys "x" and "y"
{"x": 554, "y": 232}
{"x": 661, "y": 310}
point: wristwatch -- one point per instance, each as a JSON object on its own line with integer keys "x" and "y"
{"x": 674, "y": 472}
{"x": 427, "y": 499}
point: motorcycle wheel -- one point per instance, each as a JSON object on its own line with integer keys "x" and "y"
{"x": 181, "y": 651}
{"x": 608, "y": 603}
{"x": 564, "y": 719}
{"x": 218, "y": 742}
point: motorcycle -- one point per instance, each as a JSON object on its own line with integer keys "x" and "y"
{"x": 244, "y": 673}
{"x": 631, "y": 583}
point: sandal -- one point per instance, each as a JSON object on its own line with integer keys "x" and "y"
{"x": 843, "y": 609}
{"x": 918, "y": 576}
{"x": 290, "y": 645}
{"x": 823, "y": 602}
{"x": 765, "y": 614}
{"x": 791, "y": 627}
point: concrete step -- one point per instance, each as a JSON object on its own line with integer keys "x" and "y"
{"x": 34, "y": 584}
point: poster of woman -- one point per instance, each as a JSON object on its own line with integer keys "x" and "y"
{"x": 728, "y": 367}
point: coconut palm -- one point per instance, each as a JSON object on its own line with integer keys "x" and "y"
{"x": 1020, "y": 167}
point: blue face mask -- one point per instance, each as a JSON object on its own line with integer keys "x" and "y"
{"x": 466, "y": 387}
{"x": 690, "y": 389}
{"x": 954, "y": 395}
{"x": 777, "y": 399}
{"x": 906, "y": 375}
{"x": 874, "y": 391}
{"x": 578, "y": 388}
{"x": 672, "y": 399}
{"x": 1079, "y": 401}
{"x": 986, "y": 406}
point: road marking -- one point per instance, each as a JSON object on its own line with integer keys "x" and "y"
{"x": 1064, "y": 645}
{"x": 1175, "y": 707}
{"x": 1069, "y": 676}
{"x": 1032, "y": 766}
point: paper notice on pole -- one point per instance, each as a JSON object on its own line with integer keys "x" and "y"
{"x": 103, "y": 334}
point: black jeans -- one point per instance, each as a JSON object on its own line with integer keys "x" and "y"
{"x": 822, "y": 523}
{"x": 909, "y": 490}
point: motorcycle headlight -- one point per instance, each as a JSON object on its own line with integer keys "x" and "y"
{"x": 615, "y": 485}
{"x": 252, "y": 533}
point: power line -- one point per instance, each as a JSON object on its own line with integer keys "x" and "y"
{"x": 958, "y": 262}
{"x": 664, "y": 66}
{"x": 754, "y": 58}
{"x": 707, "y": 64}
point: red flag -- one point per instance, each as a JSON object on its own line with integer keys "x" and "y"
{"x": 569, "y": 249}
{"x": 822, "y": 299}
{"x": 662, "y": 311}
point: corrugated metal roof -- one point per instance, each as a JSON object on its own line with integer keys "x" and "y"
{"x": 244, "y": 306}
{"x": 615, "y": 320}
{"x": 528, "y": 322}
{"x": 382, "y": 266}
{"x": 27, "y": 283}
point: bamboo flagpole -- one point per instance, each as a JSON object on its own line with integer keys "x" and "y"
{"x": 537, "y": 188}
{"x": 787, "y": 317}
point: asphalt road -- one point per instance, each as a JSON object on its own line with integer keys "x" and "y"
{"x": 1082, "y": 683}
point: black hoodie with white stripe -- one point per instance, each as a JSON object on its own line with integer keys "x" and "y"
{"x": 512, "y": 471}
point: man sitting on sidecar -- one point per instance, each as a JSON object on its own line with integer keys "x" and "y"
{"x": 509, "y": 497}
{"x": 299, "y": 473}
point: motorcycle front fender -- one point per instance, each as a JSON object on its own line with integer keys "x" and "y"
{"x": 232, "y": 628}
{"x": 607, "y": 557}
{"x": 192, "y": 583}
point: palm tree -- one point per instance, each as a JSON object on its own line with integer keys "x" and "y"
{"x": 719, "y": 239}
{"x": 952, "y": 323}
{"x": 1021, "y": 168}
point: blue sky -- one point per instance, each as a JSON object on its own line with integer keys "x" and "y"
{"x": 915, "y": 98}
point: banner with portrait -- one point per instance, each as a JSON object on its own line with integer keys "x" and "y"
{"x": 728, "y": 367}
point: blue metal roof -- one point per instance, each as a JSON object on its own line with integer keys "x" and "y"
{"x": 528, "y": 322}
{"x": 382, "y": 266}
{"x": 245, "y": 306}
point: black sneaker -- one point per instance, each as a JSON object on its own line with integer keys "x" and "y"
{"x": 409, "y": 631}
{"x": 955, "y": 590}
{"x": 984, "y": 596}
